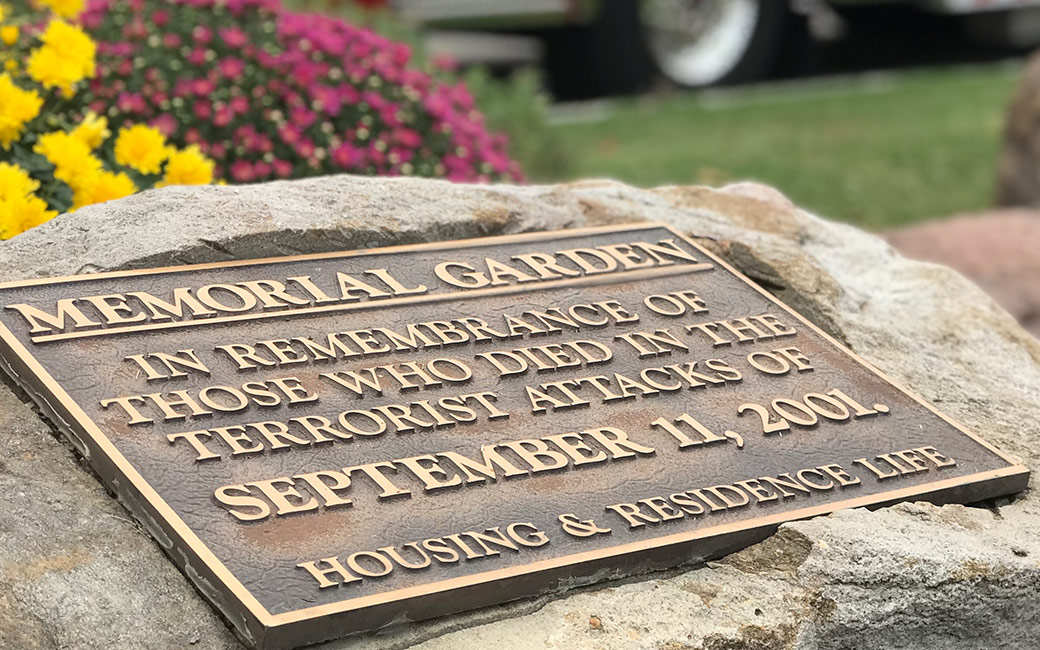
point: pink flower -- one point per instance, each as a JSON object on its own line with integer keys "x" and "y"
{"x": 416, "y": 79}
{"x": 91, "y": 20}
{"x": 407, "y": 138}
{"x": 399, "y": 155}
{"x": 498, "y": 160}
{"x": 245, "y": 136}
{"x": 373, "y": 99}
{"x": 375, "y": 156}
{"x": 242, "y": 171}
{"x": 445, "y": 62}
{"x": 202, "y": 109}
{"x": 239, "y": 105}
{"x": 202, "y": 34}
{"x": 400, "y": 53}
{"x": 182, "y": 88}
{"x": 131, "y": 103}
{"x": 461, "y": 95}
{"x": 223, "y": 115}
{"x": 389, "y": 113}
{"x": 327, "y": 98}
{"x": 282, "y": 168}
{"x": 266, "y": 59}
{"x": 231, "y": 67}
{"x": 349, "y": 94}
{"x": 437, "y": 105}
{"x": 302, "y": 117}
{"x": 233, "y": 37}
{"x": 119, "y": 49}
{"x": 202, "y": 87}
{"x": 166, "y": 124}
{"x": 289, "y": 134}
{"x": 135, "y": 30}
{"x": 261, "y": 170}
{"x": 305, "y": 148}
{"x": 217, "y": 150}
{"x": 323, "y": 95}
{"x": 347, "y": 156}
{"x": 197, "y": 56}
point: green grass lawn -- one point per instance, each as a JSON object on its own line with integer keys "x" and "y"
{"x": 878, "y": 150}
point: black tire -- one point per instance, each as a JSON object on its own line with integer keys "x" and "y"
{"x": 777, "y": 34}
{"x": 605, "y": 57}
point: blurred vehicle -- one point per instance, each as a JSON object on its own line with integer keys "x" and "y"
{"x": 607, "y": 47}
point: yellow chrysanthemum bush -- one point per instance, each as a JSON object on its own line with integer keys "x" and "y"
{"x": 56, "y": 156}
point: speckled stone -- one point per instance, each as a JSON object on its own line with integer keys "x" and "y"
{"x": 76, "y": 573}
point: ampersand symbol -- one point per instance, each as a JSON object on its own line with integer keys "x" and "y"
{"x": 580, "y": 527}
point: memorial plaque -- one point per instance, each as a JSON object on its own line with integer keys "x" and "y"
{"x": 336, "y": 443}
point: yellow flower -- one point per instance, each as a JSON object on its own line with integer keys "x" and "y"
{"x": 141, "y": 147}
{"x": 92, "y": 130}
{"x": 15, "y": 183}
{"x": 3, "y": 12}
{"x": 20, "y": 209}
{"x": 17, "y": 107}
{"x": 104, "y": 186}
{"x": 71, "y": 158}
{"x": 65, "y": 8}
{"x": 9, "y": 34}
{"x": 66, "y": 57}
{"x": 19, "y": 216}
{"x": 68, "y": 39}
{"x": 188, "y": 167}
{"x": 111, "y": 186}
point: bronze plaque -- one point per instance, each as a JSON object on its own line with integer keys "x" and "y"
{"x": 336, "y": 443}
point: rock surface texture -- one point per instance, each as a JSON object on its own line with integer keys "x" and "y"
{"x": 76, "y": 573}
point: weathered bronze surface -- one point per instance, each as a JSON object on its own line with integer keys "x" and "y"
{"x": 336, "y": 443}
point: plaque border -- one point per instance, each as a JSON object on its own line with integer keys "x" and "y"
{"x": 273, "y": 631}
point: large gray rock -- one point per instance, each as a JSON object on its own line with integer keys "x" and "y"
{"x": 77, "y": 573}
{"x": 995, "y": 249}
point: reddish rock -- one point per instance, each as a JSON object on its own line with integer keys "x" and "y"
{"x": 999, "y": 251}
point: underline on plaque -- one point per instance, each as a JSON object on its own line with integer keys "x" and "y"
{"x": 589, "y": 280}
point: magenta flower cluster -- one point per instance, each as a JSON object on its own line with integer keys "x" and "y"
{"x": 268, "y": 93}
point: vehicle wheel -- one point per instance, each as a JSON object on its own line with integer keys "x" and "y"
{"x": 607, "y": 56}
{"x": 697, "y": 43}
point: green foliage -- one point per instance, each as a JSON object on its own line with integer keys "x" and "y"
{"x": 518, "y": 107}
{"x": 878, "y": 150}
